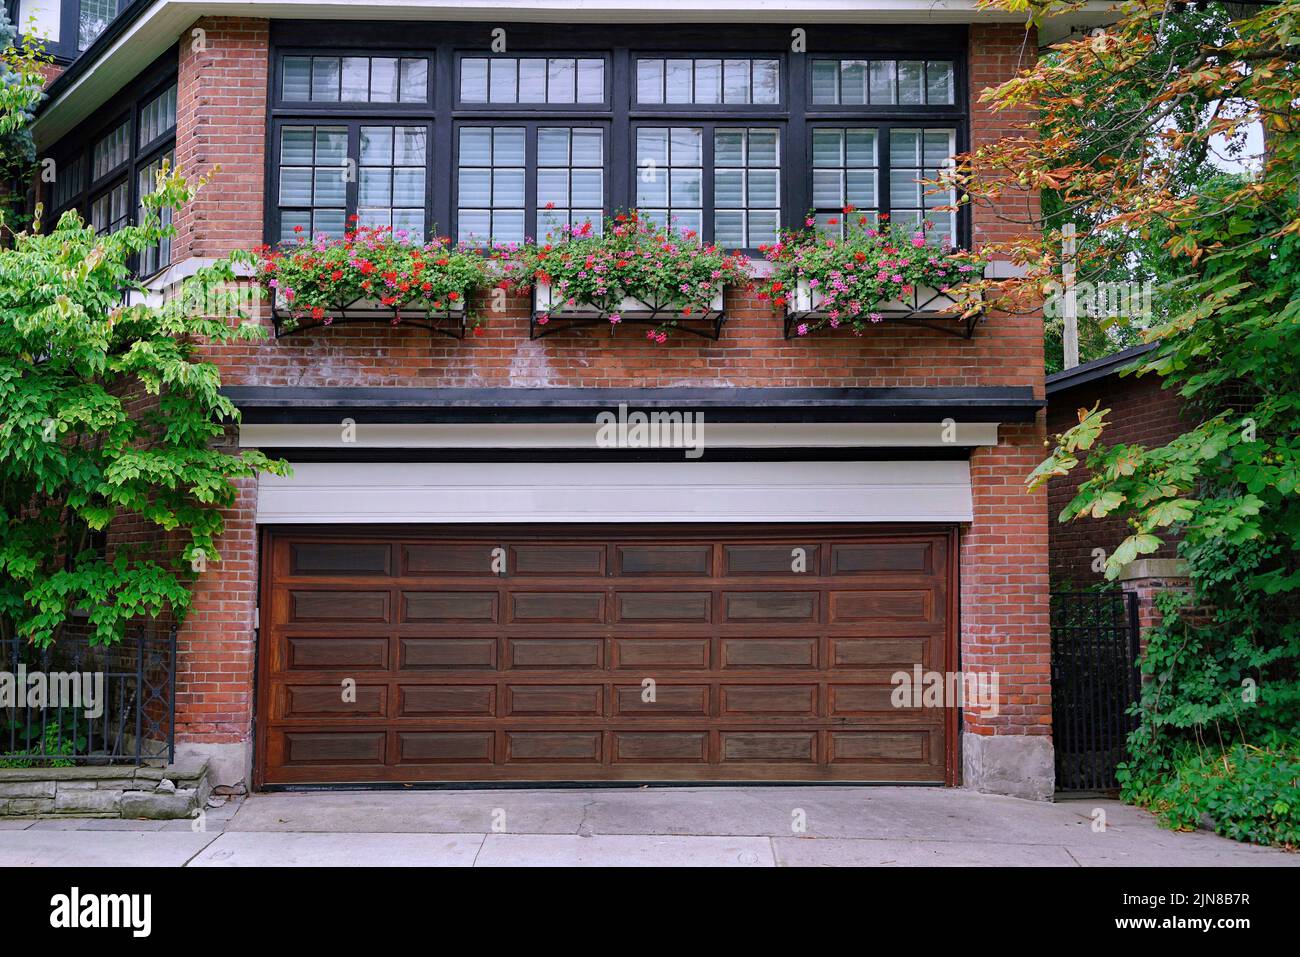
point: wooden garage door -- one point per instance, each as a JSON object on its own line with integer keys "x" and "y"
{"x": 636, "y": 655}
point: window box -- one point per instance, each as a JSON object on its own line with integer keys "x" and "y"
{"x": 925, "y": 303}
{"x": 550, "y": 315}
{"x": 451, "y": 320}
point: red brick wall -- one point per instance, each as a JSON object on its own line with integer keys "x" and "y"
{"x": 1003, "y": 554}
{"x": 1142, "y": 412}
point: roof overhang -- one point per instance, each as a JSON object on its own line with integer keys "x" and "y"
{"x": 146, "y": 28}
{"x": 1117, "y": 363}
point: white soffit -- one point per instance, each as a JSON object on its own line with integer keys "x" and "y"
{"x": 579, "y": 435}
{"x": 166, "y": 21}
{"x": 333, "y": 493}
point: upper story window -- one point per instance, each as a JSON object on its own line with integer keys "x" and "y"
{"x": 843, "y": 82}
{"x": 105, "y": 171}
{"x": 531, "y": 80}
{"x": 537, "y": 142}
{"x": 708, "y": 81}
{"x": 94, "y": 17}
{"x": 355, "y": 79}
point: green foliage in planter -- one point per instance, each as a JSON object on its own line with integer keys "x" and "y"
{"x": 311, "y": 277}
{"x": 632, "y": 257}
{"x": 857, "y": 273}
{"x": 57, "y": 737}
{"x": 110, "y": 413}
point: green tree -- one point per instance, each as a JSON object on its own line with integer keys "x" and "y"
{"x": 21, "y": 86}
{"x": 109, "y": 414}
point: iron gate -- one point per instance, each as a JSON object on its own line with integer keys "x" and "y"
{"x": 1094, "y": 681}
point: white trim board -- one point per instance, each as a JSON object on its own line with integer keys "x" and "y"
{"x": 581, "y": 435}
{"x": 334, "y": 493}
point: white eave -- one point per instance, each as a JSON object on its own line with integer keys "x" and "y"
{"x": 164, "y": 22}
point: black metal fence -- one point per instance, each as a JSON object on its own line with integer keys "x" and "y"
{"x": 74, "y": 703}
{"x": 1094, "y": 681}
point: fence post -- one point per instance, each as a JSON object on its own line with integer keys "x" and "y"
{"x": 171, "y": 695}
{"x": 139, "y": 694}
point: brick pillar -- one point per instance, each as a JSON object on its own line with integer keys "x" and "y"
{"x": 1005, "y": 618}
{"x": 221, "y": 121}
{"x": 1148, "y": 577}
{"x": 221, "y": 116}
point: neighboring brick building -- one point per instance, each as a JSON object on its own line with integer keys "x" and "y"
{"x": 922, "y": 550}
{"x": 1141, "y": 411}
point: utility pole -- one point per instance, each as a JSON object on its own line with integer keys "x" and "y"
{"x": 1070, "y": 312}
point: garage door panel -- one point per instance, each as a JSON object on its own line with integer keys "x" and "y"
{"x": 665, "y": 654}
{"x": 449, "y": 606}
{"x": 448, "y": 654}
{"x": 760, "y": 669}
{"x": 739, "y": 654}
{"x": 557, "y": 607}
{"x": 665, "y": 606}
{"x": 338, "y": 605}
{"x": 342, "y": 652}
{"x": 658, "y": 560}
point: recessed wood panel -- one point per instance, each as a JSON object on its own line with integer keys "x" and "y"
{"x": 450, "y": 606}
{"x": 740, "y": 653}
{"x": 326, "y": 654}
{"x": 667, "y": 700}
{"x": 664, "y": 606}
{"x": 558, "y": 560}
{"x": 539, "y": 746}
{"x": 665, "y": 654}
{"x": 799, "y": 559}
{"x": 897, "y": 653}
{"x": 864, "y": 699}
{"x": 441, "y": 700}
{"x": 687, "y": 560}
{"x": 536, "y": 673}
{"x": 448, "y": 654}
{"x": 451, "y": 560}
{"x": 770, "y": 605}
{"x": 769, "y": 699}
{"x": 879, "y": 745}
{"x": 331, "y": 701}
{"x": 341, "y": 606}
{"x": 769, "y": 746}
{"x": 334, "y": 747}
{"x": 568, "y": 653}
{"x": 557, "y": 607}
{"x": 327, "y": 559}
{"x": 442, "y": 747}
{"x": 871, "y": 557}
{"x": 880, "y": 606}
{"x": 575, "y": 700}
{"x": 677, "y": 746}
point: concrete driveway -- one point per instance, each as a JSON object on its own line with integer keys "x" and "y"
{"x": 736, "y": 827}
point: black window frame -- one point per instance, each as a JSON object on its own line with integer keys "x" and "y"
{"x": 67, "y": 47}
{"x": 446, "y": 44}
{"x": 80, "y": 144}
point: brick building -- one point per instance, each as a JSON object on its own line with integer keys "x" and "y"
{"x": 1140, "y": 412}
{"x": 373, "y": 562}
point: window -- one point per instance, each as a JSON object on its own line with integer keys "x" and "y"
{"x": 95, "y": 16}
{"x": 882, "y": 82}
{"x": 69, "y": 181}
{"x": 40, "y": 18}
{"x": 746, "y": 187}
{"x": 915, "y": 155}
{"x": 355, "y": 79}
{"x": 111, "y": 151}
{"x": 490, "y": 201}
{"x": 730, "y": 143}
{"x": 159, "y": 255}
{"x": 845, "y": 173}
{"x": 313, "y": 180}
{"x": 110, "y": 211}
{"x": 708, "y": 81}
{"x": 570, "y": 179}
{"x": 670, "y": 176}
{"x": 390, "y": 190}
{"x": 158, "y": 116}
{"x": 552, "y": 80}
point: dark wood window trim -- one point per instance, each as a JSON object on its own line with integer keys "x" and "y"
{"x": 620, "y": 45}
{"x": 80, "y": 143}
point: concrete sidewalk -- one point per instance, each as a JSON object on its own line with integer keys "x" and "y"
{"x": 737, "y": 827}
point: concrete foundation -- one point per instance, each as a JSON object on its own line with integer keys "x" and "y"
{"x": 1017, "y": 765}
{"x": 229, "y": 765}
